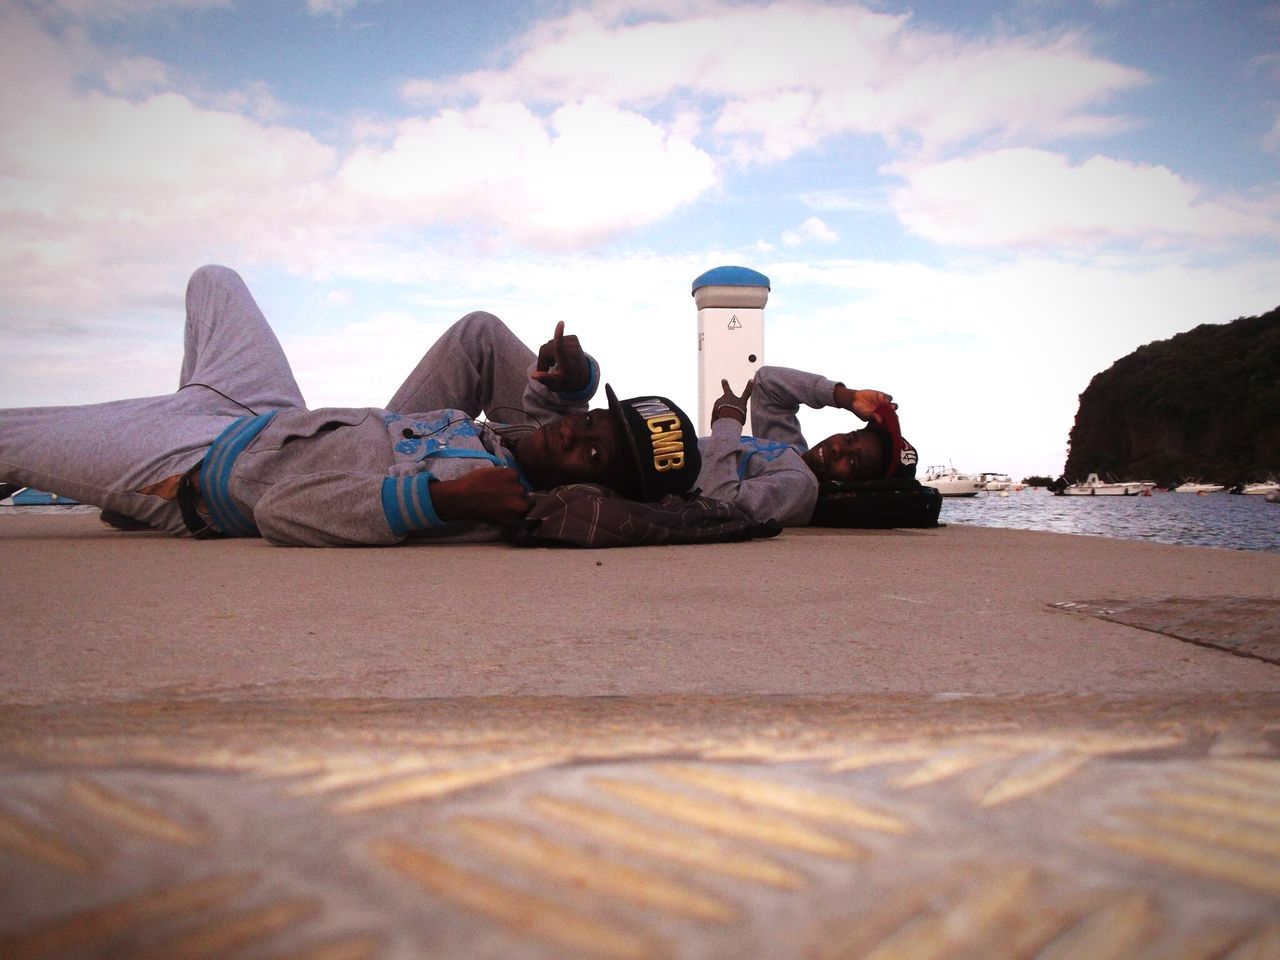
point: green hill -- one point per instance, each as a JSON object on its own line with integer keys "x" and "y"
{"x": 1203, "y": 404}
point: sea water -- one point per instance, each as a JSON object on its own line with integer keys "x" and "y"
{"x": 1207, "y": 520}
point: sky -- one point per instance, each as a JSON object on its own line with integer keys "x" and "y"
{"x": 975, "y": 207}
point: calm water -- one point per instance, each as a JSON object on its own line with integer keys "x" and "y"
{"x": 1213, "y": 520}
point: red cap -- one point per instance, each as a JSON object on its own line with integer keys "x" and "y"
{"x": 902, "y": 455}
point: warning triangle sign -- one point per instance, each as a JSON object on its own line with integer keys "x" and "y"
{"x": 734, "y": 323}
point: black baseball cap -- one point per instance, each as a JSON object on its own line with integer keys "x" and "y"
{"x": 661, "y": 443}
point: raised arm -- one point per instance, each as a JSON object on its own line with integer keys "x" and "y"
{"x": 779, "y": 392}
{"x": 562, "y": 379}
{"x": 786, "y": 491}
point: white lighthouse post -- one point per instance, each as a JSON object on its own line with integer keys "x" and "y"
{"x": 730, "y": 332}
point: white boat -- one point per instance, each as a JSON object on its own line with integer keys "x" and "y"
{"x": 1196, "y": 486}
{"x": 950, "y": 482}
{"x": 1262, "y": 489}
{"x": 1095, "y": 487}
{"x": 996, "y": 482}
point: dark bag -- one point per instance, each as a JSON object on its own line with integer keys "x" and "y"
{"x": 877, "y": 504}
{"x": 587, "y": 515}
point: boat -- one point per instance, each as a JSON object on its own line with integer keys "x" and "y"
{"x": 950, "y": 482}
{"x": 1262, "y": 489}
{"x": 1092, "y": 486}
{"x": 1198, "y": 486}
{"x": 996, "y": 482}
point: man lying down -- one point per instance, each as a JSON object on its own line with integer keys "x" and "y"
{"x": 235, "y": 451}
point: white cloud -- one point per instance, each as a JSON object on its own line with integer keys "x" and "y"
{"x": 812, "y": 230}
{"x": 587, "y": 172}
{"x": 331, "y": 8}
{"x": 986, "y": 358}
{"x": 1027, "y": 196}
{"x": 100, "y": 191}
{"x": 136, "y": 76}
{"x": 781, "y": 77}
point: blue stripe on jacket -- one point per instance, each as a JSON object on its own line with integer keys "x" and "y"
{"x": 587, "y": 392}
{"x": 406, "y": 501}
{"x": 215, "y": 475}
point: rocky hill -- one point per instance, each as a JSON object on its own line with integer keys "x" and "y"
{"x": 1203, "y": 404}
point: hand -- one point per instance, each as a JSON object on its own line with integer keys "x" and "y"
{"x": 562, "y": 366}
{"x": 730, "y": 405}
{"x": 488, "y": 495}
{"x": 861, "y": 403}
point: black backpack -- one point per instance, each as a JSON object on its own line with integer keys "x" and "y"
{"x": 877, "y": 504}
{"x": 589, "y": 515}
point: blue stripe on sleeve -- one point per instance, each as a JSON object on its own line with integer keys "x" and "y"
{"x": 391, "y": 507}
{"x": 587, "y": 392}
{"x": 406, "y": 503}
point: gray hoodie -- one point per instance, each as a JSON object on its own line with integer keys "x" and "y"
{"x": 764, "y": 474}
{"x": 360, "y": 476}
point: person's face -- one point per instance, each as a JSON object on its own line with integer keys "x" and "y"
{"x": 847, "y": 456}
{"x": 579, "y": 448}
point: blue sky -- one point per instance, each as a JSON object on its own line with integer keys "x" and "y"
{"x": 975, "y": 207}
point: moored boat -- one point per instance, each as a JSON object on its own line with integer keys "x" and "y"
{"x": 1198, "y": 486}
{"x": 996, "y": 482}
{"x": 1093, "y": 486}
{"x": 1262, "y": 489}
{"x": 950, "y": 482}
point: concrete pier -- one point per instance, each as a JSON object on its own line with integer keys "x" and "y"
{"x": 946, "y": 743}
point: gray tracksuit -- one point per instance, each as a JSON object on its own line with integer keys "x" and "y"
{"x": 764, "y": 474}
{"x": 297, "y": 476}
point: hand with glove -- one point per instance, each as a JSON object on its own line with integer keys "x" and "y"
{"x": 730, "y": 405}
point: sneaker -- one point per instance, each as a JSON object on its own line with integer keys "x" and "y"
{"x": 122, "y": 521}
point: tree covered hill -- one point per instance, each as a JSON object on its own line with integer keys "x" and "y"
{"x": 1203, "y": 404}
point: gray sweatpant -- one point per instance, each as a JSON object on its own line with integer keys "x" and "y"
{"x": 103, "y": 453}
{"x": 478, "y": 366}
{"x": 232, "y": 365}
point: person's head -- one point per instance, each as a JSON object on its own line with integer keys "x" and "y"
{"x": 875, "y": 452}
{"x": 845, "y": 457}
{"x": 643, "y": 448}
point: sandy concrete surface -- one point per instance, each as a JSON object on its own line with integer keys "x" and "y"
{"x": 92, "y": 613}
{"x": 832, "y": 745}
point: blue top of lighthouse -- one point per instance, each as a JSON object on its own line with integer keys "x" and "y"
{"x": 731, "y": 277}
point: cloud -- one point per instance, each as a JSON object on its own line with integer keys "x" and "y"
{"x": 781, "y": 77}
{"x": 331, "y": 8}
{"x": 812, "y": 230}
{"x": 587, "y": 172}
{"x": 106, "y": 192}
{"x": 1025, "y": 196}
{"x": 986, "y": 356}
